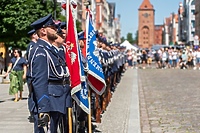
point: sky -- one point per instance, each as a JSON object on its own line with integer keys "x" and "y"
{"x": 128, "y": 9}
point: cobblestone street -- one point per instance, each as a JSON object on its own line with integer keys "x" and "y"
{"x": 169, "y": 100}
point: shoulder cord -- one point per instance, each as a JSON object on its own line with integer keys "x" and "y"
{"x": 53, "y": 67}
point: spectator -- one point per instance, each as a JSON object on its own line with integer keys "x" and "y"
{"x": 144, "y": 59}
{"x": 157, "y": 59}
{"x": 198, "y": 58}
{"x": 17, "y": 69}
{"x": 135, "y": 60}
{"x": 1, "y": 63}
{"x": 174, "y": 58}
{"x": 130, "y": 58}
{"x": 183, "y": 62}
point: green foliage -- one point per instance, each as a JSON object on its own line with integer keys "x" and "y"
{"x": 130, "y": 38}
{"x": 136, "y": 38}
{"x": 78, "y": 26}
{"x": 16, "y": 17}
{"x": 62, "y": 18}
{"x": 123, "y": 39}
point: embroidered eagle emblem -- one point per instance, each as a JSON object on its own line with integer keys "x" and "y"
{"x": 96, "y": 51}
{"x": 73, "y": 57}
{"x": 84, "y": 92}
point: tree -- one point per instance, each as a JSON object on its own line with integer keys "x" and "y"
{"x": 78, "y": 26}
{"x": 16, "y": 17}
{"x": 136, "y": 38}
{"x": 130, "y": 38}
{"x": 123, "y": 39}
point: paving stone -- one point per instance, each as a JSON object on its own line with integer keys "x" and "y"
{"x": 172, "y": 100}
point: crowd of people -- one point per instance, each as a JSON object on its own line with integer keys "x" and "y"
{"x": 169, "y": 57}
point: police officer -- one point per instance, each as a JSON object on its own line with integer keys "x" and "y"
{"x": 34, "y": 38}
{"x": 82, "y": 115}
{"x": 49, "y": 79}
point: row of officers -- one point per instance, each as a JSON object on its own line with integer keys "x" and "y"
{"x": 48, "y": 79}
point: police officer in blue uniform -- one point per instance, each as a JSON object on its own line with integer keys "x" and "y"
{"x": 82, "y": 115}
{"x": 48, "y": 79}
{"x": 34, "y": 38}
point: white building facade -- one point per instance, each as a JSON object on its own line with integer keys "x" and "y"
{"x": 189, "y": 21}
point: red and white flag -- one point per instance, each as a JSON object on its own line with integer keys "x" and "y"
{"x": 72, "y": 55}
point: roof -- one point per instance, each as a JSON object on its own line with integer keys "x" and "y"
{"x": 146, "y": 5}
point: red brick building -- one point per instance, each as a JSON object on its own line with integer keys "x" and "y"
{"x": 146, "y": 25}
{"x": 158, "y": 34}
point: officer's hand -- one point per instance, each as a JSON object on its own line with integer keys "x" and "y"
{"x": 43, "y": 119}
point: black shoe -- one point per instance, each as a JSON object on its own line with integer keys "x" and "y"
{"x": 113, "y": 89}
{"x": 94, "y": 127}
{"x": 81, "y": 130}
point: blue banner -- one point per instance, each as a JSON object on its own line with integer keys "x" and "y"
{"x": 95, "y": 72}
{"x": 81, "y": 97}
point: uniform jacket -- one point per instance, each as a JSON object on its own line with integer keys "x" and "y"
{"x": 47, "y": 66}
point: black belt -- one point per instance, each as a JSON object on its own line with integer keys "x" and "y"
{"x": 59, "y": 82}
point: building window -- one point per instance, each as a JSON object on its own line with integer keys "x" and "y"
{"x": 193, "y": 2}
{"x": 192, "y": 34}
{"x": 193, "y": 12}
{"x": 193, "y": 24}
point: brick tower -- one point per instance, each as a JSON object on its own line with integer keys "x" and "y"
{"x": 146, "y": 24}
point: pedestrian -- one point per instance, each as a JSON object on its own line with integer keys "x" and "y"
{"x": 174, "y": 58}
{"x": 50, "y": 93}
{"x": 157, "y": 59}
{"x": 17, "y": 73}
{"x": 1, "y": 63}
{"x": 135, "y": 60}
{"x": 130, "y": 58}
{"x": 144, "y": 59}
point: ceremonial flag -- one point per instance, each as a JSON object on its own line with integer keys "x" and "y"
{"x": 81, "y": 97}
{"x": 63, "y": 5}
{"x": 95, "y": 72}
{"x": 72, "y": 58}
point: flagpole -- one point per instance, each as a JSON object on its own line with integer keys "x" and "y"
{"x": 69, "y": 109}
{"x": 67, "y": 14}
{"x": 89, "y": 115}
{"x": 87, "y": 3}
